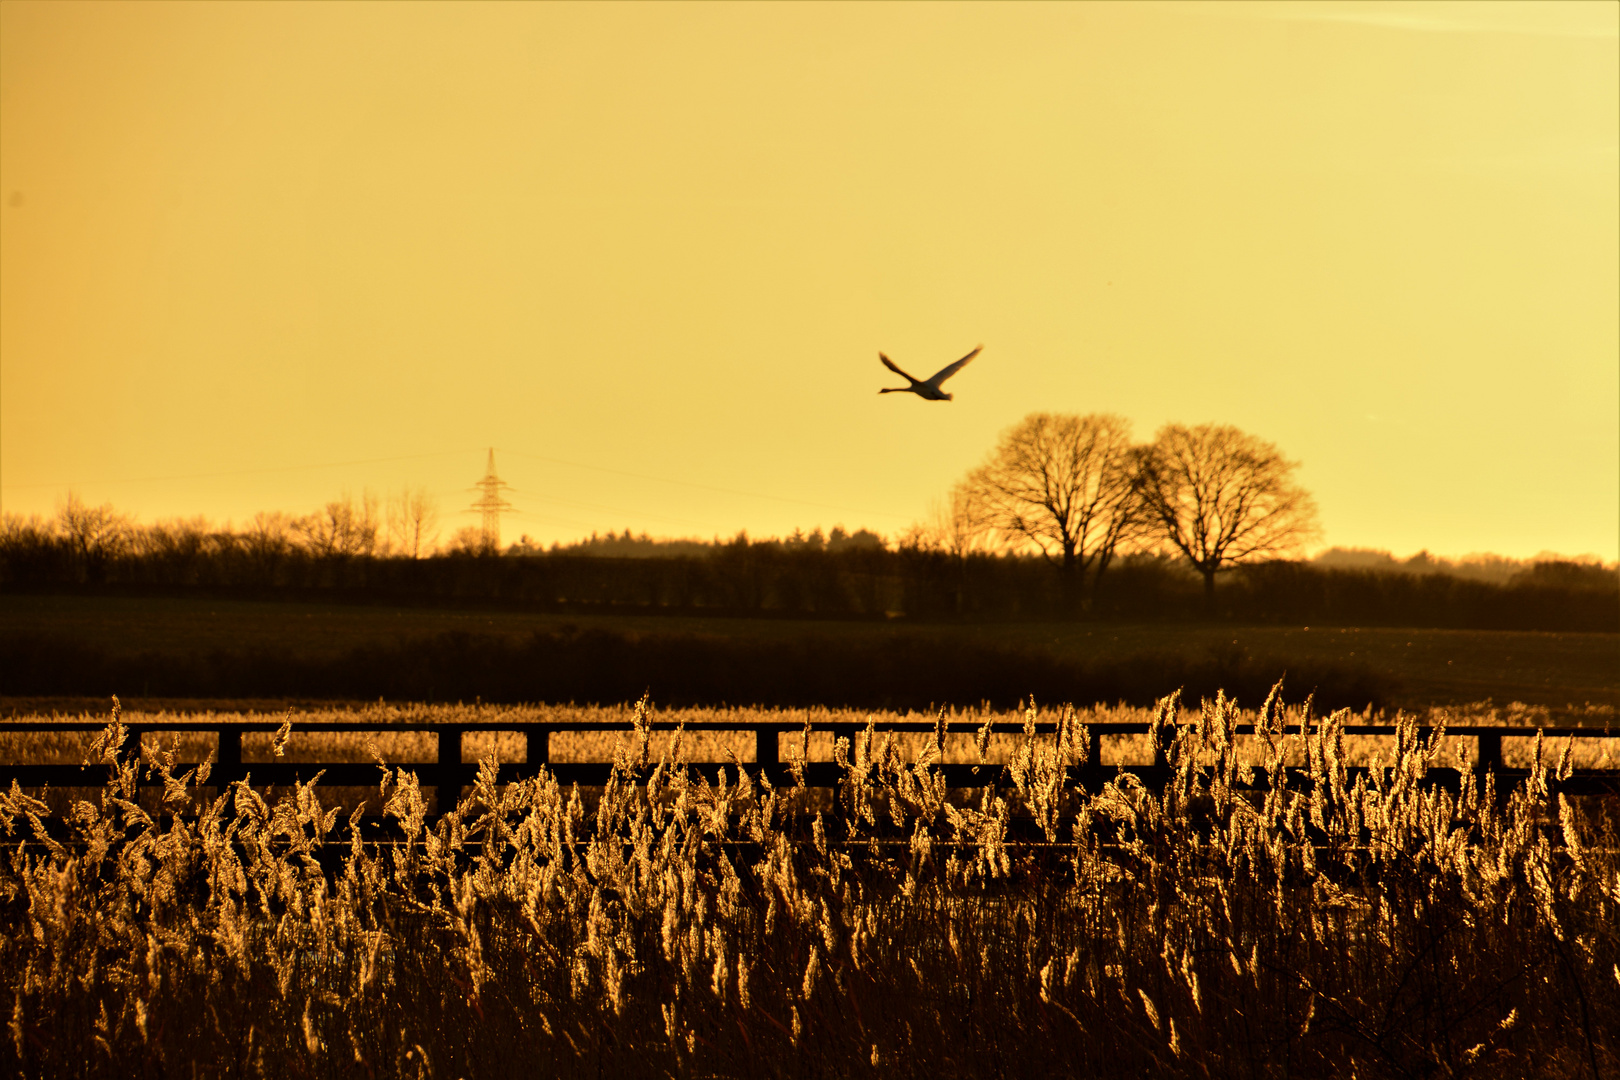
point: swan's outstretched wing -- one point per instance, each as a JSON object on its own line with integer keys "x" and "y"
{"x": 890, "y": 364}
{"x": 946, "y": 372}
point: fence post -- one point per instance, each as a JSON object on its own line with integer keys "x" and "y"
{"x": 449, "y": 769}
{"x": 1490, "y": 751}
{"x": 766, "y": 752}
{"x": 537, "y": 746}
{"x": 228, "y": 769}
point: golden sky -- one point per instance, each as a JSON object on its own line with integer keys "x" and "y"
{"x": 252, "y": 255}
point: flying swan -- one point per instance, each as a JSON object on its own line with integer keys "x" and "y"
{"x": 928, "y": 390}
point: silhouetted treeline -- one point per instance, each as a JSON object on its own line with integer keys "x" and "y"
{"x": 800, "y": 578}
{"x": 627, "y": 546}
{"x": 898, "y": 670}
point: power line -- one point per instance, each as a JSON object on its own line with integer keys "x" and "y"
{"x": 233, "y": 472}
{"x": 545, "y": 519}
{"x": 578, "y": 504}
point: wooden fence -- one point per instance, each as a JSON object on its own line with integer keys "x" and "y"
{"x": 449, "y": 774}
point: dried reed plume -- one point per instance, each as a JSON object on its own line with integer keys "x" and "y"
{"x": 1236, "y": 923}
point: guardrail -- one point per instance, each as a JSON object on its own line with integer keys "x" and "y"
{"x": 449, "y": 774}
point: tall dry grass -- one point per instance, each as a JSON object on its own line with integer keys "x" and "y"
{"x": 1233, "y": 924}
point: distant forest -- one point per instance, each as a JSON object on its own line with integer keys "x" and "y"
{"x": 841, "y": 576}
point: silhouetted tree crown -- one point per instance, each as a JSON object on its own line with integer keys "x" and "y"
{"x": 1222, "y": 497}
{"x": 1061, "y": 484}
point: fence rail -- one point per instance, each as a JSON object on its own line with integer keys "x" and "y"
{"x": 449, "y": 774}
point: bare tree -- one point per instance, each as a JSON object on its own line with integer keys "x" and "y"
{"x": 471, "y": 540}
{"x": 182, "y": 538}
{"x": 18, "y": 532}
{"x": 341, "y": 528}
{"x": 268, "y": 535}
{"x": 267, "y": 541}
{"x": 956, "y": 525}
{"x": 1063, "y": 484}
{"x": 961, "y": 523}
{"x": 413, "y": 520}
{"x": 96, "y": 533}
{"x": 177, "y": 546}
{"x": 1221, "y": 496}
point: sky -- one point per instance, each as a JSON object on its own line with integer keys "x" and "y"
{"x": 255, "y": 256}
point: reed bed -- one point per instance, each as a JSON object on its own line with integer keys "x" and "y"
{"x": 669, "y": 926}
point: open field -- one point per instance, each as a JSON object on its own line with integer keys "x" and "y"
{"x": 670, "y": 926}
{"x": 1421, "y": 668}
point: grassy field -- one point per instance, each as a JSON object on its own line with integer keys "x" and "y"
{"x": 674, "y": 927}
{"x": 1426, "y": 667}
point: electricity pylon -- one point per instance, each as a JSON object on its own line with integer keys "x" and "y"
{"x": 491, "y": 505}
